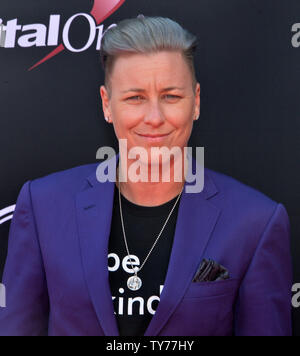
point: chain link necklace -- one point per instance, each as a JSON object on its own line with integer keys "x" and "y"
{"x": 135, "y": 282}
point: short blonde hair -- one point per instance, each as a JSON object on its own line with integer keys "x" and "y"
{"x": 146, "y": 35}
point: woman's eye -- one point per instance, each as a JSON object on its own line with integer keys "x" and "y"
{"x": 171, "y": 97}
{"x": 135, "y": 98}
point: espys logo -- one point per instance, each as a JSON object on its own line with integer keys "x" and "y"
{"x": 39, "y": 35}
{"x": 6, "y": 214}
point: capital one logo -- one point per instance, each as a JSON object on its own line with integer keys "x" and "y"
{"x": 39, "y": 35}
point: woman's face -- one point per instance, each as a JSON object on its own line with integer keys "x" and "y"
{"x": 152, "y": 101}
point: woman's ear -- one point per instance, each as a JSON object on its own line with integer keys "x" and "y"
{"x": 105, "y": 103}
{"x": 197, "y": 102}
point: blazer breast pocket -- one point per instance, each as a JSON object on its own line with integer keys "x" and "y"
{"x": 212, "y": 289}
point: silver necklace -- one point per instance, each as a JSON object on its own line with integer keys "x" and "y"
{"x": 135, "y": 282}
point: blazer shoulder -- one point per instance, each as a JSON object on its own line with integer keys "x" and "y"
{"x": 65, "y": 181}
{"x": 240, "y": 194}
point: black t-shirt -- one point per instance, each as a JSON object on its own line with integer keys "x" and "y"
{"x": 134, "y": 309}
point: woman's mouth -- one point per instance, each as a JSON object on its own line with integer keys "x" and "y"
{"x": 153, "y": 137}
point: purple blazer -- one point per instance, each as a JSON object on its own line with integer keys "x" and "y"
{"x": 56, "y": 273}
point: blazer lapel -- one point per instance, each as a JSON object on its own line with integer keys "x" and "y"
{"x": 94, "y": 213}
{"x": 195, "y": 223}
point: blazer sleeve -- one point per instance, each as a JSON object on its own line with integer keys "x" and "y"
{"x": 263, "y": 305}
{"x": 27, "y": 307}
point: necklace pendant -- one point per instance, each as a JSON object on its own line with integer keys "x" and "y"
{"x": 134, "y": 282}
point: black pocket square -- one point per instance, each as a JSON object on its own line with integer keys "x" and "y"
{"x": 209, "y": 271}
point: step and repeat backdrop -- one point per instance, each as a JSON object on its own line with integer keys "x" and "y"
{"x": 248, "y": 65}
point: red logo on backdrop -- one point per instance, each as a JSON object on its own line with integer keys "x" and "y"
{"x": 101, "y": 10}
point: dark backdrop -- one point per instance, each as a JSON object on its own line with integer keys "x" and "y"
{"x": 249, "y": 72}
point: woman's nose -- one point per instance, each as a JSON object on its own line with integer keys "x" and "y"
{"x": 154, "y": 115}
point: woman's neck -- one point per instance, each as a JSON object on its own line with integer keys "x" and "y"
{"x": 150, "y": 193}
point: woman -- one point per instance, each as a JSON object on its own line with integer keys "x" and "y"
{"x": 145, "y": 257}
